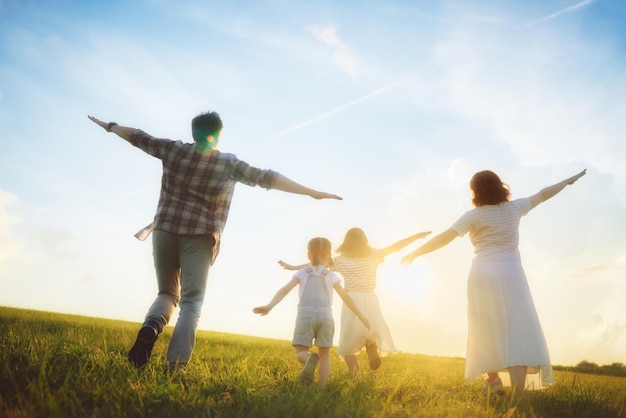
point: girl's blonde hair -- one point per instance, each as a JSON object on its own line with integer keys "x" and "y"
{"x": 319, "y": 250}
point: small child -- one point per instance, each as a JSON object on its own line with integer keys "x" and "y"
{"x": 315, "y": 316}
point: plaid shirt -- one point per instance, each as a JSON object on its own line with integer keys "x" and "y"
{"x": 197, "y": 185}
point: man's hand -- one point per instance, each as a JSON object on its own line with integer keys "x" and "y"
{"x": 103, "y": 125}
{"x": 323, "y": 195}
{"x": 124, "y": 132}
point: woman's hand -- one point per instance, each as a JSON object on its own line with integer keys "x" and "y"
{"x": 573, "y": 179}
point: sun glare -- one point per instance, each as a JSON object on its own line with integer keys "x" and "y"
{"x": 404, "y": 283}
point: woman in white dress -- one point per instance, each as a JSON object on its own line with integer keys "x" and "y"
{"x": 504, "y": 333}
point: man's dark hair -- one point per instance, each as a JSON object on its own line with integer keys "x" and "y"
{"x": 208, "y": 123}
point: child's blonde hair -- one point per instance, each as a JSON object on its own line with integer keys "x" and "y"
{"x": 319, "y": 250}
{"x": 355, "y": 244}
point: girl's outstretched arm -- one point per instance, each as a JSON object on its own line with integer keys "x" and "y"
{"x": 404, "y": 242}
{"x": 287, "y": 266}
{"x": 282, "y": 292}
{"x": 548, "y": 192}
{"x": 347, "y": 299}
{"x": 433, "y": 244}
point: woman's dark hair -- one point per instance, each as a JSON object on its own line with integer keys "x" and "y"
{"x": 488, "y": 189}
{"x": 208, "y": 123}
{"x": 355, "y": 244}
{"x": 319, "y": 248}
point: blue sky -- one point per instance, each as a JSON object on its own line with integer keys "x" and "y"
{"x": 392, "y": 105}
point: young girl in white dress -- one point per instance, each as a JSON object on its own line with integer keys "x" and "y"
{"x": 314, "y": 322}
{"x": 504, "y": 333}
{"x": 358, "y": 262}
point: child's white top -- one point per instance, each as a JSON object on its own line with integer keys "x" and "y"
{"x": 302, "y": 276}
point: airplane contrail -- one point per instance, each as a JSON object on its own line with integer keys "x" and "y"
{"x": 341, "y": 108}
{"x": 566, "y": 10}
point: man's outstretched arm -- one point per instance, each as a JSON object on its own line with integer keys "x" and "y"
{"x": 124, "y": 132}
{"x": 287, "y": 185}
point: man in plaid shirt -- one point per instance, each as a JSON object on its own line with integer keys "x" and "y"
{"x": 196, "y": 190}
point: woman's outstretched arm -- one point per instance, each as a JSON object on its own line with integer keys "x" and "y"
{"x": 433, "y": 244}
{"x": 397, "y": 246}
{"x": 550, "y": 191}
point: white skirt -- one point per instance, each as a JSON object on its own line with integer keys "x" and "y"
{"x": 503, "y": 326}
{"x": 353, "y": 334}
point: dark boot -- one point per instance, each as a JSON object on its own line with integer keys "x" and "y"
{"x": 139, "y": 354}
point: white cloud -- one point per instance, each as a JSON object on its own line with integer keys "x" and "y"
{"x": 459, "y": 173}
{"x": 606, "y": 332}
{"x": 325, "y": 34}
{"x": 342, "y": 55}
{"x": 551, "y": 105}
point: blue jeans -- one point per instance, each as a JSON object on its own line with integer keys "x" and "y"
{"x": 182, "y": 265}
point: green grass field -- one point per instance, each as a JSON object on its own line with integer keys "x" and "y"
{"x": 55, "y": 365}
